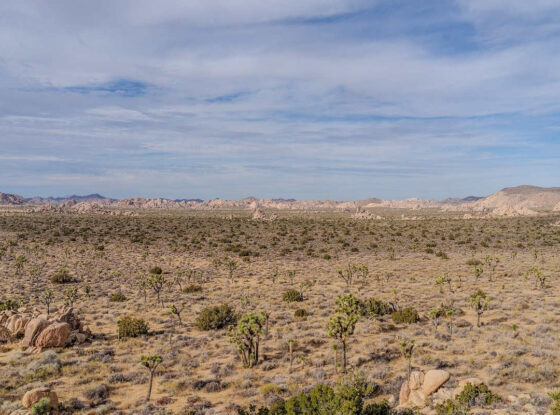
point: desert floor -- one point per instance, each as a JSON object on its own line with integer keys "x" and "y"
{"x": 515, "y": 351}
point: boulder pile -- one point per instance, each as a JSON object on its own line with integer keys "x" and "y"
{"x": 40, "y": 331}
{"x": 416, "y": 390}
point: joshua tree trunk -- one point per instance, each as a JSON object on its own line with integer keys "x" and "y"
{"x": 150, "y": 386}
{"x": 343, "y": 357}
{"x": 477, "y": 319}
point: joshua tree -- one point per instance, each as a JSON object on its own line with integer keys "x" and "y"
{"x": 177, "y": 311}
{"x": 150, "y": 362}
{"x": 450, "y": 313}
{"x": 305, "y": 285}
{"x": 71, "y": 295}
{"x": 407, "y": 348}
{"x": 20, "y": 262}
{"x": 246, "y": 336}
{"x": 231, "y": 266}
{"x": 441, "y": 281}
{"x": 47, "y": 298}
{"x": 363, "y": 272}
{"x": 477, "y": 271}
{"x": 435, "y": 314}
{"x": 539, "y": 277}
{"x": 347, "y": 274}
{"x": 274, "y": 274}
{"x": 36, "y": 272}
{"x": 157, "y": 282}
{"x": 178, "y": 280}
{"x": 143, "y": 287}
{"x": 291, "y": 274}
{"x": 479, "y": 302}
{"x": 291, "y": 351}
{"x": 343, "y": 323}
{"x": 491, "y": 264}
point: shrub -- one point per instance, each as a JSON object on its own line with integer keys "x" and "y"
{"x": 118, "y": 298}
{"x": 555, "y": 407}
{"x": 301, "y": 314}
{"x": 478, "y": 395}
{"x": 474, "y": 262}
{"x": 43, "y": 407}
{"x": 215, "y": 318}
{"x": 471, "y": 395}
{"x": 10, "y": 304}
{"x": 292, "y": 295}
{"x": 131, "y": 327}
{"x": 62, "y": 276}
{"x": 372, "y": 308}
{"x": 407, "y": 315}
{"x": 156, "y": 271}
{"x": 192, "y": 288}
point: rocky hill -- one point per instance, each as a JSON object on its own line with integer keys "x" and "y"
{"x": 530, "y": 197}
{"x": 10, "y": 199}
{"x": 513, "y": 201}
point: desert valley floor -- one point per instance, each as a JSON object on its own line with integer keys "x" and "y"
{"x": 102, "y": 266}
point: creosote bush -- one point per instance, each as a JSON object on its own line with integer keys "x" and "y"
{"x": 43, "y": 407}
{"x": 407, "y": 315}
{"x": 62, "y": 276}
{"x": 118, "y": 298}
{"x": 10, "y": 304}
{"x": 216, "y": 317}
{"x": 300, "y": 314}
{"x": 373, "y": 308}
{"x": 192, "y": 288}
{"x": 131, "y": 327}
{"x": 470, "y": 396}
{"x": 292, "y": 295}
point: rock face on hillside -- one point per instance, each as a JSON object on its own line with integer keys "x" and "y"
{"x": 10, "y": 199}
{"x": 40, "y": 331}
{"x": 530, "y": 197}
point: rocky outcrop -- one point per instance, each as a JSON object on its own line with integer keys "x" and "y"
{"x": 35, "y": 395}
{"x": 40, "y": 331}
{"x": 54, "y": 335}
{"x": 416, "y": 390}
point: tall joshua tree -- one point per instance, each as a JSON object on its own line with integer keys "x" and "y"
{"x": 343, "y": 323}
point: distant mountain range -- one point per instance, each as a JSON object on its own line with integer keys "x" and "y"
{"x": 512, "y": 201}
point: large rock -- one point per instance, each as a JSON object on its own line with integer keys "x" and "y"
{"x": 33, "y": 396}
{"x": 416, "y": 380}
{"x": 433, "y": 380}
{"x": 404, "y": 393}
{"x": 417, "y": 398}
{"x": 54, "y": 335}
{"x": 33, "y": 329}
{"x": 16, "y": 324}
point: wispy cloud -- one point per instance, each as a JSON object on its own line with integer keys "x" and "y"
{"x": 313, "y": 98}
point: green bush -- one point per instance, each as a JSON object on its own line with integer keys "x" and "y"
{"x": 301, "y": 314}
{"x": 474, "y": 262}
{"x": 43, "y": 407}
{"x": 192, "y": 288}
{"x": 407, "y": 315}
{"x": 118, "y": 298}
{"x": 450, "y": 407}
{"x": 555, "y": 406}
{"x": 292, "y": 295}
{"x": 62, "y": 276}
{"x": 373, "y": 308}
{"x": 156, "y": 271}
{"x": 131, "y": 327}
{"x": 10, "y": 304}
{"x": 478, "y": 395}
{"x": 470, "y": 396}
{"x": 216, "y": 317}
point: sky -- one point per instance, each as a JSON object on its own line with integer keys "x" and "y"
{"x": 306, "y": 99}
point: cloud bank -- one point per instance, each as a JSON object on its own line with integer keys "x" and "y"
{"x": 307, "y": 99}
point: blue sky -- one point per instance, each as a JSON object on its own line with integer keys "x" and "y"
{"x": 312, "y": 99}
